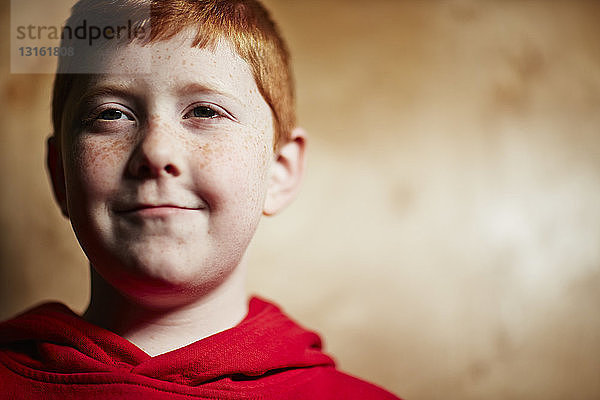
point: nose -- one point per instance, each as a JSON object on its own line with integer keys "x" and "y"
{"x": 156, "y": 154}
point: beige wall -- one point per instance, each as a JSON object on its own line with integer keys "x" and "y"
{"x": 447, "y": 239}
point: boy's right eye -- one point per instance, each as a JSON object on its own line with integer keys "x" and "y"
{"x": 112, "y": 115}
{"x": 108, "y": 118}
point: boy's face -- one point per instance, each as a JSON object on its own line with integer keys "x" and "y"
{"x": 166, "y": 177}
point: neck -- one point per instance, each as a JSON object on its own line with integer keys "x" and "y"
{"x": 159, "y": 330}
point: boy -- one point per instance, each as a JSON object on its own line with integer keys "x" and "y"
{"x": 164, "y": 161}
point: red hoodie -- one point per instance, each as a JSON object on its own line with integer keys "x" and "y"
{"x": 50, "y": 353}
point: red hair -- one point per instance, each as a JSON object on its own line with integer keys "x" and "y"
{"x": 246, "y": 24}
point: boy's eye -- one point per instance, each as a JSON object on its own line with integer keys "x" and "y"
{"x": 112, "y": 115}
{"x": 203, "y": 112}
{"x": 107, "y": 118}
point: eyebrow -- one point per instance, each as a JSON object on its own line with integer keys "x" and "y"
{"x": 126, "y": 89}
{"x": 121, "y": 90}
{"x": 191, "y": 88}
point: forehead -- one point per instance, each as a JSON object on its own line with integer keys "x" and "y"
{"x": 166, "y": 66}
{"x": 175, "y": 58}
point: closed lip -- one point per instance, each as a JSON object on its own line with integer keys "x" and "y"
{"x": 148, "y": 208}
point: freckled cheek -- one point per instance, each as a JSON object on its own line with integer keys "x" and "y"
{"x": 261, "y": 155}
{"x": 233, "y": 172}
{"x": 97, "y": 166}
{"x": 253, "y": 171}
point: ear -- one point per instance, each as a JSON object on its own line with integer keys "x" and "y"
{"x": 57, "y": 175}
{"x": 286, "y": 173}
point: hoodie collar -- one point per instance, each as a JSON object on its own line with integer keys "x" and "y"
{"x": 53, "y": 338}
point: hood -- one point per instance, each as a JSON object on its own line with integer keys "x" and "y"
{"x": 53, "y": 338}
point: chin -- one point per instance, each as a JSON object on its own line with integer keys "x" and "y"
{"x": 159, "y": 276}
{"x": 163, "y": 270}
{"x": 170, "y": 275}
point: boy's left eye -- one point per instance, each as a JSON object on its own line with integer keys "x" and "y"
{"x": 202, "y": 112}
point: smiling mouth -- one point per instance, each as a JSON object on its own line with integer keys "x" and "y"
{"x": 148, "y": 210}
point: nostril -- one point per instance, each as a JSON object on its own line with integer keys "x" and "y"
{"x": 170, "y": 169}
